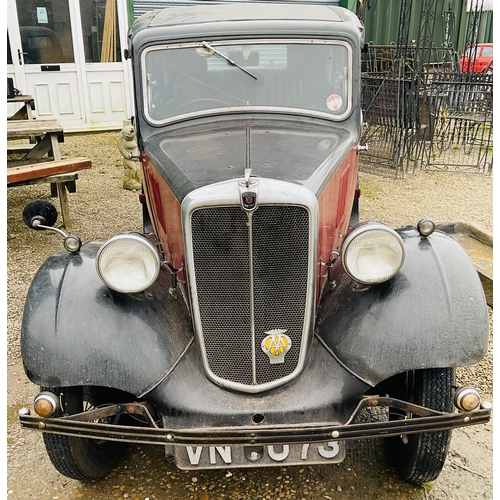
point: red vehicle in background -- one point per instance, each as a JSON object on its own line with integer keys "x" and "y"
{"x": 477, "y": 58}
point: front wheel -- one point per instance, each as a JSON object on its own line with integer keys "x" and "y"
{"x": 421, "y": 457}
{"x": 82, "y": 458}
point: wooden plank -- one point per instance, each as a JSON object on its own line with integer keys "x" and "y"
{"x": 22, "y": 98}
{"x": 49, "y": 144}
{"x": 22, "y": 163}
{"x": 21, "y": 114}
{"x": 19, "y": 148}
{"x": 63, "y": 200}
{"x": 17, "y": 129}
{"x": 52, "y": 179}
{"x": 37, "y": 170}
{"x": 26, "y": 111}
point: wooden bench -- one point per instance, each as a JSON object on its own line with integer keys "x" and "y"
{"x": 59, "y": 173}
{"x": 25, "y": 112}
{"x": 48, "y": 134}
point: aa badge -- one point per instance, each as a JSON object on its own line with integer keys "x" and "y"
{"x": 276, "y": 344}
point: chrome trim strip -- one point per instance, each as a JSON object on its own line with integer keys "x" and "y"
{"x": 251, "y": 109}
{"x": 252, "y": 297}
{"x": 248, "y": 109}
{"x": 269, "y": 192}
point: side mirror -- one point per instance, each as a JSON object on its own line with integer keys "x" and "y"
{"x": 41, "y": 214}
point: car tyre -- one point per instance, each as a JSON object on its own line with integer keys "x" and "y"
{"x": 80, "y": 458}
{"x": 420, "y": 458}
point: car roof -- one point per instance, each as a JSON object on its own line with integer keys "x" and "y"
{"x": 185, "y": 21}
{"x": 207, "y": 13}
{"x": 480, "y": 45}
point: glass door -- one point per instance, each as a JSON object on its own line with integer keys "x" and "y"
{"x": 15, "y": 70}
{"x": 104, "y": 28}
{"x": 68, "y": 55}
{"x": 43, "y": 50}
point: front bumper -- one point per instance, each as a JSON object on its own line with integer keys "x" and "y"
{"x": 423, "y": 420}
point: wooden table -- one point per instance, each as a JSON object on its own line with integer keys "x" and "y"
{"x": 48, "y": 133}
{"x": 25, "y": 112}
{"x": 61, "y": 174}
{"x": 43, "y": 158}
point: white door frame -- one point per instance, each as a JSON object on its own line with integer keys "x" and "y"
{"x": 15, "y": 41}
{"x": 83, "y": 69}
{"x": 127, "y": 65}
{"x": 79, "y": 53}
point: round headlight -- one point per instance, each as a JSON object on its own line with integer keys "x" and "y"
{"x": 128, "y": 263}
{"x": 372, "y": 253}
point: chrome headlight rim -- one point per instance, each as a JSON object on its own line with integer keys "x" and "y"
{"x": 361, "y": 229}
{"x": 135, "y": 238}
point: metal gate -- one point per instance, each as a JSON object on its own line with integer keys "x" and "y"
{"x": 422, "y": 108}
{"x": 461, "y": 122}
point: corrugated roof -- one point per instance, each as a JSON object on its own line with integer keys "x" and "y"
{"x": 143, "y": 6}
{"x": 479, "y": 5}
{"x": 235, "y": 11}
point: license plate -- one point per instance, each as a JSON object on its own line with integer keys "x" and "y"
{"x": 220, "y": 457}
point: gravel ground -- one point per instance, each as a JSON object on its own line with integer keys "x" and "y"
{"x": 442, "y": 197}
{"x": 101, "y": 208}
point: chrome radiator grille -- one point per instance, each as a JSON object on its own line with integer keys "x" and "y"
{"x": 251, "y": 272}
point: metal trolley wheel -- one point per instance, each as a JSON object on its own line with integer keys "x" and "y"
{"x": 420, "y": 457}
{"x": 82, "y": 458}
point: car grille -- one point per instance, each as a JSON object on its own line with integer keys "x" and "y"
{"x": 242, "y": 258}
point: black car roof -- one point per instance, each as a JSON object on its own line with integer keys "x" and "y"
{"x": 242, "y": 12}
{"x": 267, "y": 18}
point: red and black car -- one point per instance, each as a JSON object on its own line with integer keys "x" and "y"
{"x": 255, "y": 321}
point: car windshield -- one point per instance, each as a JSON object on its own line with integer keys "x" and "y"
{"x": 312, "y": 78}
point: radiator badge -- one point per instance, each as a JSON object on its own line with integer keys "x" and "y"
{"x": 276, "y": 344}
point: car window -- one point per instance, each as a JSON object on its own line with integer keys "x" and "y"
{"x": 487, "y": 52}
{"x": 312, "y": 78}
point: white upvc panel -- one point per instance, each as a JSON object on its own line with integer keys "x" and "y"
{"x": 106, "y": 89}
{"x": 96, "y": 92}
{"x": 56, "y": 95}
{"x": 116, "y": 90}
{"x": 81, "y": 96}
{"x": 43, "y": 102}
{"x": 64, "y": 98}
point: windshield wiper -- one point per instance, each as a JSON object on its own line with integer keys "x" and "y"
{"x": 230, "y": 61}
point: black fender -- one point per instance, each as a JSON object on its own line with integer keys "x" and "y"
{"x": 432, "y": 314}
{"x": 77, "y": 331}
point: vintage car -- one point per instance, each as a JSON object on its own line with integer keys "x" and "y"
{"x": 255, "y": 322}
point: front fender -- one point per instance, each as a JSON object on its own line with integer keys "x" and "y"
{"x": 76, "y": 331}
{"x": 432, "y": 314}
